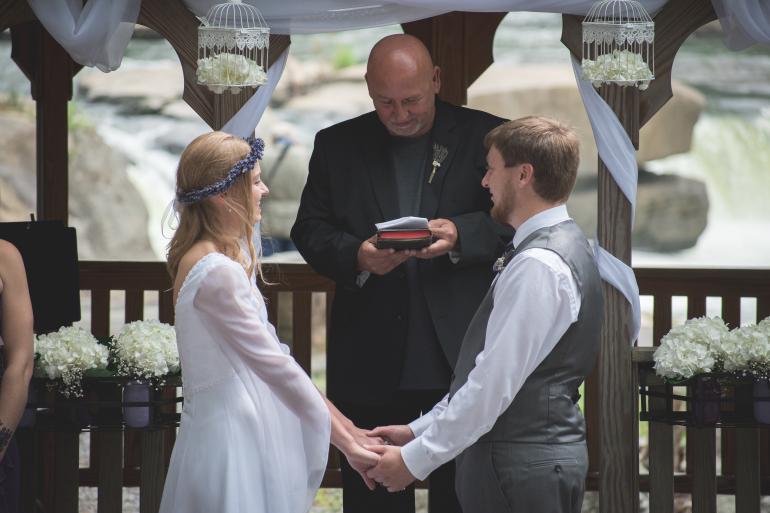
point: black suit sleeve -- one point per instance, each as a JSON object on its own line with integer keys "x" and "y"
{"x": 480, "y": 239}
{"x": 328, "y": 249}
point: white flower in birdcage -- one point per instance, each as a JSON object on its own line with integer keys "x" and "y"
{"x": 618, "y": 44}
{"x": 233, "y": 44}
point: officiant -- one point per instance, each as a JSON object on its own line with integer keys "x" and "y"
{"x": 398, "y": 317}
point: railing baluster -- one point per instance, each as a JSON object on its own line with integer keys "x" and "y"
{"x": 134, "y": 305}
{"x": 66, "y": 471}
{"x": 109, "y": 444}
{"x": 271, "y": 297}
{"x": 747, "y": 473}
{"x": 301, "y": 327}
{"x": 661, "y": 454}
{"x": 152, "y": 473}
{"x": 661, "y": 317}
{"x": 704, "y": 469}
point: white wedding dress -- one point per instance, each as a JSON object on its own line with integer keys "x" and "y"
{"x": 254, "y": 434}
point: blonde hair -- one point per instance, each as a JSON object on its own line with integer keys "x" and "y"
{"x": 551, "y": 147}
{"x": 206, "y": 160}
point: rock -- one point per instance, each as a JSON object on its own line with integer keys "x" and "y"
{"x": 104, "y": 207}
{"x": 284, "y": 170}
{"x": 327, "y": 96}
{"x": 299, "y": 77}
{"x": 138, "y": 90}
{"x": 671, "y": 211}
{"x": 514, "y": 91}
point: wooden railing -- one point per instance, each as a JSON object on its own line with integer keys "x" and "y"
{"x": 744, "y": 452}
{"x": 145, "y": 454}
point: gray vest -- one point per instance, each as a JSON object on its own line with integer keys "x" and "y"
{"x": 545, "y": 409}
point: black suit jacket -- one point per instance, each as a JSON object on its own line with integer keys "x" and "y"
{"x": 350, "y": 187}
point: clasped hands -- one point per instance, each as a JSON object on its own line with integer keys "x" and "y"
{"x": 382, "y": 261}
{"x": 388, "y": 468}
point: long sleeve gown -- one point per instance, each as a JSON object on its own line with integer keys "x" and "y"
{"x": 254, "y": 433}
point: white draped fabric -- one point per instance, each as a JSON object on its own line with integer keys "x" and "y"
{"x": 617, "y": 152}
{"x": 246, "y": 119}
{"x": 745, "y": 22}
{"x": 94, "y": 34}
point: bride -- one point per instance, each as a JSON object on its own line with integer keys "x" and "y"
{"x": 255, "y": 432}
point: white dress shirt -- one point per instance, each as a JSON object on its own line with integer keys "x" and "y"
{"x": 536, "y": 299}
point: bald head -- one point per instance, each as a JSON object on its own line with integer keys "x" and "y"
{"x": 399, "y": 53}
{"x": 403, "y": 83}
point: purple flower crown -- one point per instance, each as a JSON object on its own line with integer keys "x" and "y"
{"x": 242, "y": 166}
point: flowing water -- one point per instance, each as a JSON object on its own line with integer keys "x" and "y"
{"x": 730, "y": 153}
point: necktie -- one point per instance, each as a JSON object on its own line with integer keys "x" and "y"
{"x": 501, "y": 262}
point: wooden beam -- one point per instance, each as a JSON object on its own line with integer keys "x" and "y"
{"x": 172, "y": 20}
{"x": 675, "y": 22}
{"x": 14, "y": 12}
{"x": 461, "y": 45}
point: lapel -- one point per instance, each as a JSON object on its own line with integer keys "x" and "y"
{"x": 444, "y": 134}
{"x": 375, "y": 145}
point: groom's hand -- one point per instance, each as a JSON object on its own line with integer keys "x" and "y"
{"x": 391, "y": 471}
{"x": 395, "y": 435}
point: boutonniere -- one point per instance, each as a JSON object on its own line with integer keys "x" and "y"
{"x": 439, "y": 154}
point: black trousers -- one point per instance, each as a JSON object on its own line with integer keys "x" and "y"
{"x": 357, "y": 498}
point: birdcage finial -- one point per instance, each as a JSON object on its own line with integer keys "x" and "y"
{"x": 618, "y": 44}
{"x": 233, "y": 43}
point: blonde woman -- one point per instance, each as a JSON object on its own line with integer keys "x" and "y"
{"x": 254, "y": 432}
{"x": 15, "y": 367}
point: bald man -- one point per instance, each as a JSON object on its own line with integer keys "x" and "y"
{"x": 398, "y": 317}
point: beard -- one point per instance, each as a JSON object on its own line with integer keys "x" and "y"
{"x": 502, "y": 208}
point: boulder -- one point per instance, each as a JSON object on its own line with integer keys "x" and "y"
{"x": 104, "y": 207}
{"x": 671, "y": 211}
{"x": 138, "y": 90}
{"x": 513, "y": 91}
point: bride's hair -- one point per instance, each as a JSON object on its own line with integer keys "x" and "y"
{"x": 206, "y": 160}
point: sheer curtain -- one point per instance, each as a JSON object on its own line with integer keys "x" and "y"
{"x": 745, "y": 22}
{"x": 94, "y": 34}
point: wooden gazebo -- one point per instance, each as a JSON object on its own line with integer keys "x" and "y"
{"x": 461, "y": 43}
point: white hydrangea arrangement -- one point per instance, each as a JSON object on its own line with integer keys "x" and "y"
{"x": 221, "y": 71}
{"x": 706, "y": 345}
{"x": 746, "y": 349}
{"x": 690, "y": 349}
{"x": 620, "y": 66}
{"x": 146, "y": 350}
{"x": 67, "y": 354}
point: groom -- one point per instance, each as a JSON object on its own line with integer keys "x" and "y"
{"x": 511, "y": 417}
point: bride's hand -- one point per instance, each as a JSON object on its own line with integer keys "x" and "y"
{"x": 362, "y": 460}
{"x": 364, "y": 437}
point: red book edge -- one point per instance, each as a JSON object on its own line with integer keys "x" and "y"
{"x": 403, "y": 234}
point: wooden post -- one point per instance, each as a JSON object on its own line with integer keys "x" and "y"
{"x": 461, "y": 45}
{"x": 49, "y": 69}
{"x": 619, "y": 473}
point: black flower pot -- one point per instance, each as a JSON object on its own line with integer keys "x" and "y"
{"x": 706, "y": 393}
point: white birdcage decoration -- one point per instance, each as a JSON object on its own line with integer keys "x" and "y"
{"x": 619, "y": 44}
{"x": 233, "y": 42}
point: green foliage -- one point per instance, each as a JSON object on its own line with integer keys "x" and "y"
{"x": 76, "y": 119}
{"x": 344, "y": 57}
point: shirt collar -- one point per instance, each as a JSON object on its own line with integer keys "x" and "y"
{"x": 550, "y": 217}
